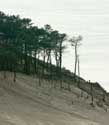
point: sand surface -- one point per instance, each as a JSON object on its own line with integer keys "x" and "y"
{"x": 24, "y": 103}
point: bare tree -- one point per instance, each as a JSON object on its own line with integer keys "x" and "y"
{"x": 75, "y": 42}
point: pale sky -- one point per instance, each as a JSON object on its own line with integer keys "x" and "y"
{"x": 89, "y": 18}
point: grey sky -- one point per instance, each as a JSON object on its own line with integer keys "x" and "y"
{"x": 90, "y": 18}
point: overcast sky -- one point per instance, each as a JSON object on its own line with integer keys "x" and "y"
{"x": 89, "y": 18}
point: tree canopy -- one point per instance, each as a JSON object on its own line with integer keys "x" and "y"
{"x": 28, "y": 48}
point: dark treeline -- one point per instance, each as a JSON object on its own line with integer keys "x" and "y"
{"x": 30, "y": 49}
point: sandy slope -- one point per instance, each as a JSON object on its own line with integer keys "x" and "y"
{"x": 24, "y": 103}
{"x": 16, "y": 110}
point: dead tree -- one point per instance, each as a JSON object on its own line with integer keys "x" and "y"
{"x": 75, "y": 42}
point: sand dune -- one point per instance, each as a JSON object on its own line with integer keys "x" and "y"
{"x": 24, "y": 103}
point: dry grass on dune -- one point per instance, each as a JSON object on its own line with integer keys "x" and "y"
{"x": 25, "y": 103}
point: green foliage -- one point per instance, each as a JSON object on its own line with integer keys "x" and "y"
{"x": 21, "y": 43}
{"x": 30, "y": 49}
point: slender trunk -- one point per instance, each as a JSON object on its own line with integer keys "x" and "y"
{"x": 35, "y": 61}
{"x": 39, "y": 79}
{"x": 51, "y": 71}
{"x": 75, "y": 60}
{"x": 104, "y": 97}
{"x": 26, "y": 60}
{"x": 78, "y": 73}
{"x": 92, "y": 98}
{"x": 30, "y": 58}
{"x": 43, "y": 67}
{"x": 69, "y": 87}
{"x": 39, "y": 70}
{"x": 60, "y": 64}
{"x": 4, "y": 67}
{"x": 38, "y": 63}
{"x": 14, "y": 76}
{"x": 56, "y": 58}
{"x": 48, "y": 58}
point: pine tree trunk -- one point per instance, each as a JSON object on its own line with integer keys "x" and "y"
{"x": 14, "y": 76}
